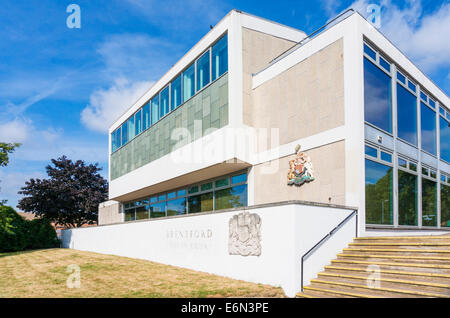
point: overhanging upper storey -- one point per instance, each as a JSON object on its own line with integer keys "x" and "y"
{"x": 200, "y": 94}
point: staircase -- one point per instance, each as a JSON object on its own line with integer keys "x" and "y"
{"x": 412, "y": 266}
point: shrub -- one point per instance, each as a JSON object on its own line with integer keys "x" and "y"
{"x": 17, "y": 234}
{"x": 13, "y": 230}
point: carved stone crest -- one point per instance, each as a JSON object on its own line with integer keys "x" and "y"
{"x": 245, "y": 234}
{"x": 300, "y": 169}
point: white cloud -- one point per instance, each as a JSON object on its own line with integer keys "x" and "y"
{"x": 106, "y": 105}
{"x": 14, "y": 131}
{"x": 420, "y": 35}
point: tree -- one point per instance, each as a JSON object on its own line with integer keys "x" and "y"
{"x": 5, "y": 150}
{"x": 71, "y": 195}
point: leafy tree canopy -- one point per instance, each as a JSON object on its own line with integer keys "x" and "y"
{"x": 5, "y": 150}
{"x": 70, "y": 196}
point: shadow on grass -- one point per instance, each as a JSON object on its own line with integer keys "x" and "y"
{"x": 25, "y": 252}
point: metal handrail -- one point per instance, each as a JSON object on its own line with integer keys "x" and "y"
{"x": 326, "y": 237}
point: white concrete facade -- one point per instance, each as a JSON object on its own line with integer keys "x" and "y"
{"x": 200, "y": 242}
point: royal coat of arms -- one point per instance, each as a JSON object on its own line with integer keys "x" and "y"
{"x": 300, "y": 169}
{"x": 245, "y": 234}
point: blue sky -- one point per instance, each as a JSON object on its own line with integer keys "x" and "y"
{"x": 61, "y": 88}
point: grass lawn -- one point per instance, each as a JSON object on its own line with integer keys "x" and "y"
{"x": 43, "y": 273}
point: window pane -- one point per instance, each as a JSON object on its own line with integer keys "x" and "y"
{"x": 176, "y": 92}
{"x": 164, "y": 103}
{"x": 138, "y": 122}
{"x": 232, "y": 197}
{"x": 444, "y": 135}
{"x": 432, "y": 103}
{"x": 385, "y": 64}
{"x": 181, "y": 192}
{"x": 386, "y": 157}
{"x": 220, "y": 57}
{"x": 378, "y": 193}
{"x": 155, "y": 109}
{"x": 129, "y": 215}
{"x": 401, "y": 78}
{"x": 370, "y": 151}
{"x": 193, "y": 189}
{"x": 370, "y": 52}
{"x": 222, "y": 182}
{"x": 406, "y": 115}
{"x": 402, "y": 163}
{"x": 142, "y": 213}
{"x": 113, "y": 141}
{"x": 119, "y": 137}
{"x": 423, "y": 96}
{"x": 131, "y": 128}
{"x": 189, "y": 82}
{"x": 171, "y": 195}
{"x": 239, "y": 178}
{"x": 158, "y": 210}
{"x": 445, "y": 205}
{"x": 428, "y": 121}
{"x": 412, "y": 86}
{"x": 176, "y": 207}
{"x": 145, "y": 116}
{"x": 429, "y": 203}
{"x": 407, "y": 198}
{"x": 377, "y": 97}
{"x": 124, "y": 133}
{"x": 161, "y": 197}
{"x": 203, "y": 71}
{"x": 201, "y": 203}
{"x": 206, "y": 186}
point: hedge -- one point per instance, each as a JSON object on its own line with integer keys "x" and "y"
{"x": 18, "y": 234}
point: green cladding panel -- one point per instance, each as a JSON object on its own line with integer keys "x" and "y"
{"x": 208, "y": 107}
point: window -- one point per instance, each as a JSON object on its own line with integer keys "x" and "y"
{"x": 411, "y": 86}
{"x": 401, "y": 78}
{"x": 428, "y": 122}
{"x": 203, "y": 70}
{"x": 385, "y": 64}
{"x": 444, "y": 135}
{"x": 386, "y": 156}
{"x": 370, "y": 52}
{"x": 113, "y": 141}
{"x": 176, "y": 92}
{"x": 221, "y": 193}
{"x": 155, "y": 109}
{"x": 377, "y": 97}
{"x": 370, "y": 151}
{"x": 378, "y": 190}
{"x": 189, "y": 82}
{"x": 142, "y": 213}
{"x": 176, "y": 207}
{"x": 118, "y": 137}
{"x": 231, "y": 197}
{"x": 402, "y": 163}
{"x": 158, "y": 210}
{"x": 406, "y": 115}
{"x": 124, "y": 133}
{"x": 164, "y": 103}
{"x": 130, "y": 215}
{"x": 131, "y": 128}
{"x": 138, "y": 122}
{"x": 429, "y": 203}
{"x": 146, "y": 116}
{"x": 407, "y": 198}
{"x": 445, "y": 205}
{"x": 220, "y": 58}
{"x": 200, "y": 203}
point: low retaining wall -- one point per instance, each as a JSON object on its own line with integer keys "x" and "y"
{"x": 274, "y": 241}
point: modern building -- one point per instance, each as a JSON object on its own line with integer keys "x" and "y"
{"x": 218, "y": 133}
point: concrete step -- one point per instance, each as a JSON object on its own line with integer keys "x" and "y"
{"x": 398, "y": 251}
{"x": 385, "y": 282}
{"x": 391, "y": 274}
{"x": 392, "y": 245}
{"x": 362, "y": 288}
{"x": 420, "y": 267}
{"x": 334, "y": 292}
{"x": 438, "y": 260}
{"x": 400, "y": 239}
{"x": 312, "y": 293}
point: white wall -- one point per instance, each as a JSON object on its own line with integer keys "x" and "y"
{"x": 287, "y": 232}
